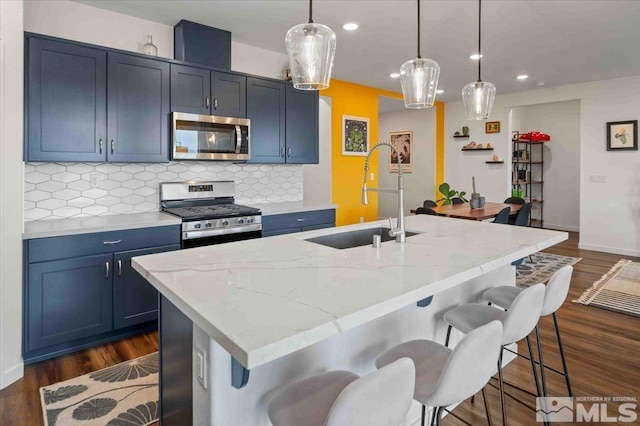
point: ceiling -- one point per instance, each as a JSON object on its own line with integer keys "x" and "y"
{"x": 555, "y": 42}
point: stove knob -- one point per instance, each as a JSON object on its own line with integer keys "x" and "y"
{"x": 207, "y": 225}
{"x": 225, "y": 222}
{"x": 249, "y": 220}
{"x": 240, "y": 221}
{"x": 197, "y": 226}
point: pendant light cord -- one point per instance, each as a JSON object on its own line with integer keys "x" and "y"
{"x": 418, "y": 29}
{"x": 310, "y": 11}
{"x": 479, "y": 32}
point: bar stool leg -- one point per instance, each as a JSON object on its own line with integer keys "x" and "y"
{"x": 424, "y": 410}
{"x": 542, "y": 376}
{"x": 564, "y": 361}
{"x": 533, "y": 366}
{"x": 446, "y": 341}
{"x": 501, "y": 383}
{"x": 438, "y": 416}
{"x": 486, "y": 407}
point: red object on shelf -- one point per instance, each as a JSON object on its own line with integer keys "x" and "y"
{"x": 535, "y": 136}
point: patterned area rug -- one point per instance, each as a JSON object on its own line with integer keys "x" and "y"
{"x": 543, "y": 266}
{"x": 618, "y": 290}
{"x": 125, "y": 394}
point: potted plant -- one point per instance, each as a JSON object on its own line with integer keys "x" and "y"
{"x": 449, "y": 194}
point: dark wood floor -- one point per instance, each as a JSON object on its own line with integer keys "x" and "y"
{"x": 602, "y": 347}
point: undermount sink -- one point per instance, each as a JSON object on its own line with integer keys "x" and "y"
{"x": 357, "y": 238}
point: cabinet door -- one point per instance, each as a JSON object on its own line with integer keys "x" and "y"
{"x": 66, "y": 102}
{"x": 266, "y": 110}
{"x": 228, "y": 94}
{"x": 190, "y": 90}
{"x": 138, "y": 108}
{"x": 302, "y": 126}
{"x": 134, "y": 300}
{"x": 68, "y": 299}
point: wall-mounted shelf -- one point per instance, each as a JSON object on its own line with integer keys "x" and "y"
{"x": 460, "y": 136}
{"x": 494, "y": 162}
{"x": 477, "y": 149}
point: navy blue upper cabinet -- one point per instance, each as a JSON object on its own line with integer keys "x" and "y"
{"x": 66, "y": 92}
{"x": 302, "y": 126}
{"x": 228, "y": 94}
{"x": 190, "y": 90}
{"x": 266, "y": 110}
{"x": 138, "y": 109}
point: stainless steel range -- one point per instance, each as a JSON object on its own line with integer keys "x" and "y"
{"x": 209, "y": 215}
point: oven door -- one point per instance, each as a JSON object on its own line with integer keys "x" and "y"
{"x": 207, "y": 238}
{"x": 207, "y": 137}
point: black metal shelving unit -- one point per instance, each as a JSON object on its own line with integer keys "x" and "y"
{"x": 528, "y": 175}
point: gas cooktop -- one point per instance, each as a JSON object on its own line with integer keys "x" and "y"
{"x": 214, "y": 211}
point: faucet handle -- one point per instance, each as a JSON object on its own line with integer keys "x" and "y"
{"x": 393, "y": 231}
{"x": 390, "y": 224}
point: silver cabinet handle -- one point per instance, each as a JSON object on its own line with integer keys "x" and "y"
{"x": 282, "y": 152}
{"x": 301, "y": 219}
{"x": 106, "y": 267}
{"x": 112, "y": 146}
{"x": 100, "y": 145}
{"x": 288, "y": 152}
{"x": 119, "y": 268}
{"x": 206, "y": 100}
{"x": 106, "y": 243}
{"x": 215, "y": 103}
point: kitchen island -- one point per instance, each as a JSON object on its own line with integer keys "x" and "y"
{"x": 284, "y": 308}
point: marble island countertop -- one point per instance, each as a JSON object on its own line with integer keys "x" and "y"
{"x": 266, "y": 298}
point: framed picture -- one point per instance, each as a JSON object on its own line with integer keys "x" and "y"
{"x": 355, "y": 135}
{"x": 403, "y": 141}
{"x": 492, "y": 127}
{"x": 622, "y": 135}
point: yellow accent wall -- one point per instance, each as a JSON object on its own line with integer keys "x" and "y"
{"x": 347, "y": 172}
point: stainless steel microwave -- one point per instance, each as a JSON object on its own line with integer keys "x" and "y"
{"x": 207, "y": 137}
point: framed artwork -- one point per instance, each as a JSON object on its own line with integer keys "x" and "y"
{"x": 355, "y": 135}
{"x": 622, "y": 135}
{"x": 492, "y": 127}
{"x": 403, "y": 141}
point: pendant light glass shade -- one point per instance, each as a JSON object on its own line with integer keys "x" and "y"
{"x": 478, "y": 99}
{"x": 419, "y": 79}
{"x": 311, "y": 48}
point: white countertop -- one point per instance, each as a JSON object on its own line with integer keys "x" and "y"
{"x": 266, "y": 298}
{"x": 269, "y": 209}
{"x": 85, "y": 225}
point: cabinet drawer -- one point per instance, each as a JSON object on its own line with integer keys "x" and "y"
{"x": 45, "y": 249}
{"x": 297, "y": 220}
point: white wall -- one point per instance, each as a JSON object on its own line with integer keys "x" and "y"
{"x": 609, "y": 212}
{"x": 11, "y": 77}
{"x": 317, "y": 177}
{"x": 419, "y": 184}
{"x": 561, "y": 120}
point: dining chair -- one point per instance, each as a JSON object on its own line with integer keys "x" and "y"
{"x": 338, "y": 398}
{"x": 427, "y": 204}
{"x": 514, "y": 200}
{"x": 502, "y": 216}
{"x": 457, "y": 200}
{"x": 522, "y": 219}
{"x": 555, "y": 294}
{"x": 426, "y": 210}
{"x": 447, "y": 376}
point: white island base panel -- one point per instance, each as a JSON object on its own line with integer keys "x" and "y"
{"x": 354, "y": 350}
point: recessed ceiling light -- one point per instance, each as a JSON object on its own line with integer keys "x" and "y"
{"x": 522, "y": 77}
{"x": 439, "y": 91}
{"x": 394, "y": 75}
{"x": 350, "y": 26}
{"x": 475, "y": 56}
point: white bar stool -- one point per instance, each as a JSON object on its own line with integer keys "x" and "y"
{"x": 554, "y": 296}
{"x": 447, "y": 376}
{"x": 517, "y": 322}
{"x": 341, "y": 398}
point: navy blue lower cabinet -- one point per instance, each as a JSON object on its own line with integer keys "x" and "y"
{"x": 68, "y": 299}
{"x": 289, "y": 223}
{"x": 135, "y": 301}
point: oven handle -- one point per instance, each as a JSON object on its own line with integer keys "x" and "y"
{"x": 190, "y": 235}
{"x": 238, "y": 139}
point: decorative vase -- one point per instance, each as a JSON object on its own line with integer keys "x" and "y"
{"x": 149, "y": 48}
{"x": 465, "y": 131}
{"x": 480, "y": 202}
{"x": 475, "y": 200}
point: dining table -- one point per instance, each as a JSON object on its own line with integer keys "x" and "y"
{"x": 464, "y": 210}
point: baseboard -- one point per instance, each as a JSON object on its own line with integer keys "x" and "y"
{"x": 555, "y": 227}
{"x": 11, "y": 375}
{"x": 605, "y": 249}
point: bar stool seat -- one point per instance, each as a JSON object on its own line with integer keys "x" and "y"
{"x": 341, "y": 398}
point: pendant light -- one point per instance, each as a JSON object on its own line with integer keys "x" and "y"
{"x": 311, "y": 48}
{"x": 478, "y": 97}
{"x": 419, "y": 79}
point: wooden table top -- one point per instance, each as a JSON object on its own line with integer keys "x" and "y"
{"x": 464, "y": 210}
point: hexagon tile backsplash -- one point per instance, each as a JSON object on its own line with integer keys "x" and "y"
{"x": 62, "y": 190}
